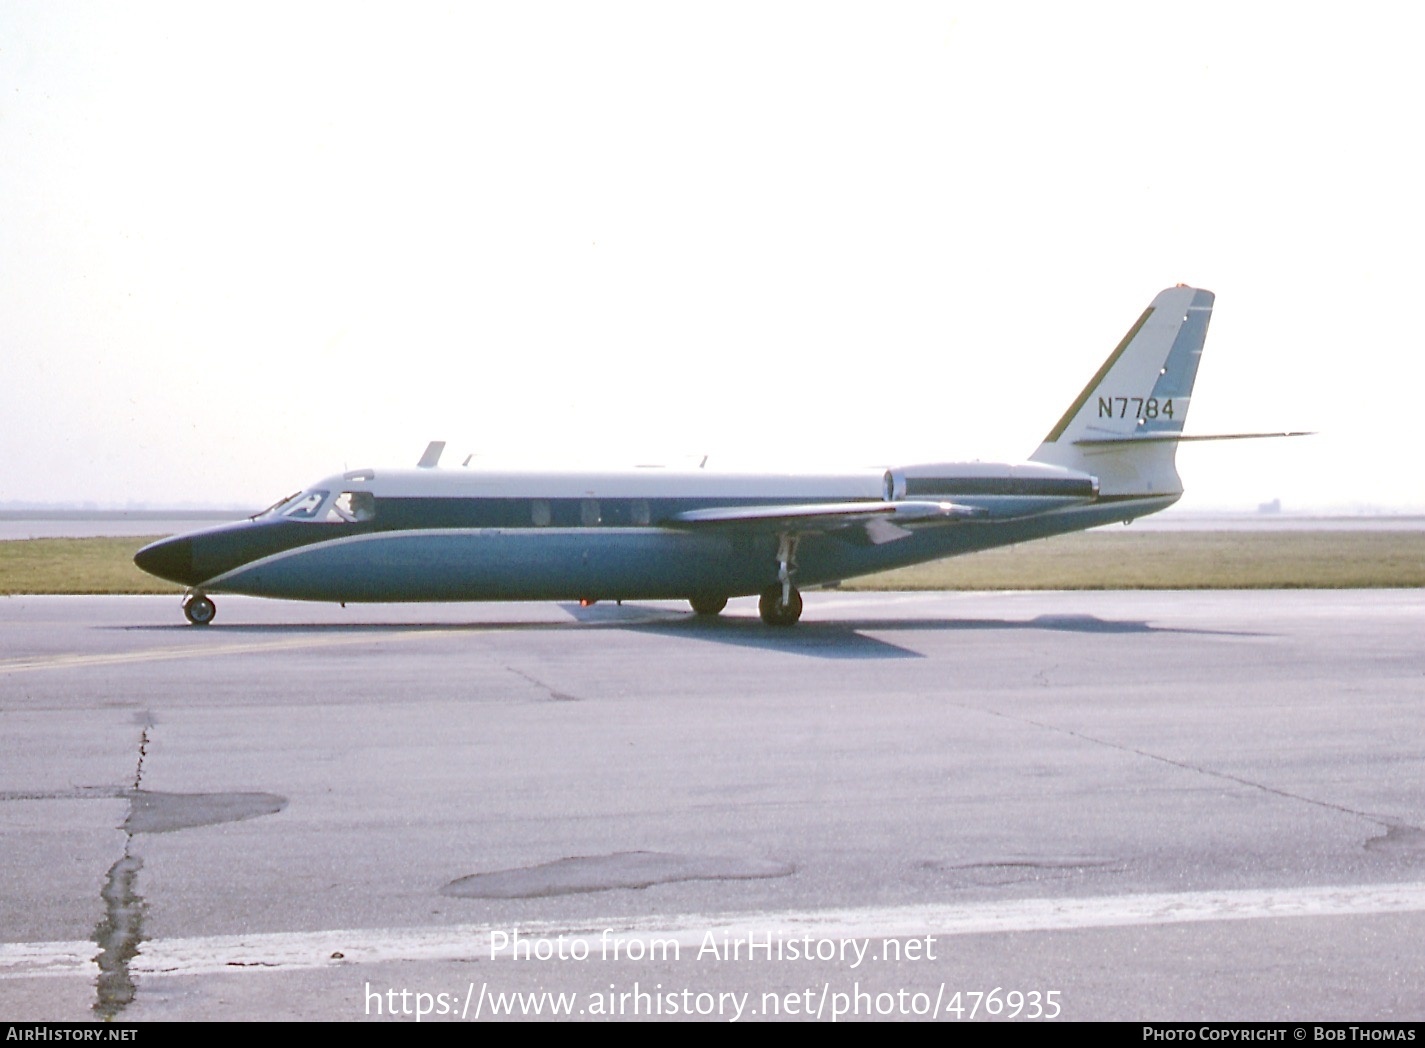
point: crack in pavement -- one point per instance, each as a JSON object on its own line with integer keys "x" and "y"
{"x": 1386, "y": 822}
{"x": 120, "y": 930}
{"x": 557, "y": 696}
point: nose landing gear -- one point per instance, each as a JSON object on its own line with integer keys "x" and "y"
{"x": 199, "y": 609}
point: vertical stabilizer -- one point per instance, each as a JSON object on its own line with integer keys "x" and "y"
{"x": 1124, "y": 427}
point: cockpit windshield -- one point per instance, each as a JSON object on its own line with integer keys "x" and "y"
{"x": 348, "y": 507}
{"x": 275, "y": 506}
{"x": 306, "y": 506}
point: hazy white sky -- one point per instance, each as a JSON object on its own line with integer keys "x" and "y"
{"x": 244, "y": 246}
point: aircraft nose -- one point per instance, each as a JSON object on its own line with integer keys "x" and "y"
{"x": 170, "y": 559}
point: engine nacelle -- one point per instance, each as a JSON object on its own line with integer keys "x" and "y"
{"x": 1001, "y": 489}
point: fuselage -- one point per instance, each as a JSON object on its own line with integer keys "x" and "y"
{"x": 459, "y": 534}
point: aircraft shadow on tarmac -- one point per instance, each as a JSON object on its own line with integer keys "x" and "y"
{"x": 851, "y": 639}
{"x": 840, "y": 639}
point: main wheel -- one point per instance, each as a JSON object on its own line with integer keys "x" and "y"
{"x": 774, "y": 612}
{"x": 200, "y": 610}
{"x": 704, "y": 605}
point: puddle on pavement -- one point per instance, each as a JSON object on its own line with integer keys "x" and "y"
{"x": 602, "y": 873}
{"x": 151, "y": 812}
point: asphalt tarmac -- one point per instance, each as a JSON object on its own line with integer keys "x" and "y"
{"x": 1133, "y": 806}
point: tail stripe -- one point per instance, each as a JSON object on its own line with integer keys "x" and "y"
{"x": 1097, "y": 380}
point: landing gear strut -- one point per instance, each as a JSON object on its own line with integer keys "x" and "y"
{"x": 781, "y": 605}
{"x": 199, "y": 609}
{"x": 779, "y": 610}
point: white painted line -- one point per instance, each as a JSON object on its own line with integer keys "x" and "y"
{"x": 299, "y": 950}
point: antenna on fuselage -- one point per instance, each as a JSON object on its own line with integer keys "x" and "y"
{"x": 431, "y": 458}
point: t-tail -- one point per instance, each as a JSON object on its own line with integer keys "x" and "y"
{"x": 1125, "y": 426}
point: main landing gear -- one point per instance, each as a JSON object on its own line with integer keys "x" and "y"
{"x": 776, "y": 609}
{"x": 705, "y": 605}
{"x": 780, "y": 605}
{"x": 199, "y": 609}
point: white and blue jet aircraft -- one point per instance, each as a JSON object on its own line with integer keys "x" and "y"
{"x": 433, "y": 534}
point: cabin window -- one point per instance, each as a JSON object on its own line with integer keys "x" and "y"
{"x": 539, "y": 513}
{"x": 307, "y": 506}
{"x": 638, "y": 514}
{"x": 589, "y": 512}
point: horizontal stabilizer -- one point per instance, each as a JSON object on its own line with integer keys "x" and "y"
{"x": 1178, "y": 438}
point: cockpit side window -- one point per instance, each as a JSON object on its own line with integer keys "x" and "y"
{"x": 349, "y": 507}
{"x": 353, "y": 507}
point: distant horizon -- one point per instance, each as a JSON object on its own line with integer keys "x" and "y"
{"x": 26, "y": 510}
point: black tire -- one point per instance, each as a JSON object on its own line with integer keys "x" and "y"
{"x": 200, "y": 610}
{"x": 774, "y": 612}
{"x": 705, "y": 605}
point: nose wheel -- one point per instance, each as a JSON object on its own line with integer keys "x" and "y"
{"x": 199, "y": 609}
{"x": 780, "y": 605}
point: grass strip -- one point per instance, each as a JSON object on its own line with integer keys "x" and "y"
{"x": 92, "y": 565}
{"x": 1124, "y": 559}
{"x": 1103, "y": 559}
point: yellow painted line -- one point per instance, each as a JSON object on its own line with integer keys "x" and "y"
{"x": 71, "y": 660}
{"x": 379, "y": 633}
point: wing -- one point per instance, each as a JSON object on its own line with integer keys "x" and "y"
{"x": 881, "y": 521}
